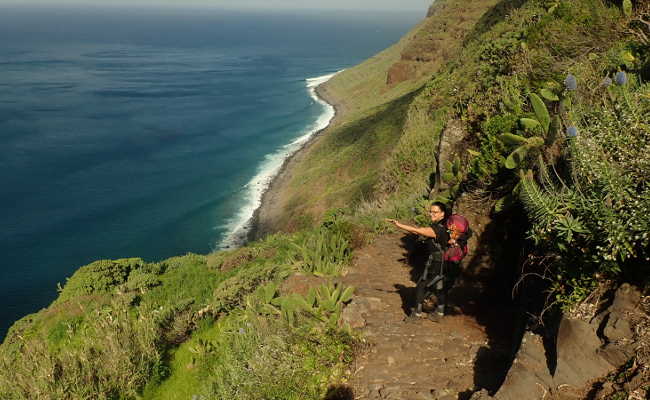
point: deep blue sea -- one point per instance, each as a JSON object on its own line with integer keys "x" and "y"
{"x": 144, "y": 132}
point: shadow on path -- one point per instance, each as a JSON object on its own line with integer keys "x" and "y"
{"x": 484, "y": 292}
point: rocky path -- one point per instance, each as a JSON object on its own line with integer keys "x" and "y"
{"x": 419, "y": 359}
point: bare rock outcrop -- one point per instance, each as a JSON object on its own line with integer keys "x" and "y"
{"x": 585, "y": 351}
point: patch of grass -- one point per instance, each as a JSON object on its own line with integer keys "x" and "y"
{"x": 250, "y": 356}
{"x": 108, "y": 333}
{"x": 188, "y": 278}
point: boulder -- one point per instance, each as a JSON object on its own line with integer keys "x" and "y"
{"x": 355, "y": 313}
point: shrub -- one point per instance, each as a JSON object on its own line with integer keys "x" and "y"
{"x": 597, "y": 216}
{"x": 99, "y": 277}
{"x": 231, "y": 292}
{"x": 491, "y": 159}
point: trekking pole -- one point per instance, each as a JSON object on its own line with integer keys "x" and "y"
{"x": 442, "y": 270}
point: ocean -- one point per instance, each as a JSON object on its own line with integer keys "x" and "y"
{"x": 152, "y": 132}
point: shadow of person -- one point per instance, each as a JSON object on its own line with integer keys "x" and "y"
{"x": 415, "y": 256}
{"x": 408, "y": 297}
{"x": 339, "y": 392}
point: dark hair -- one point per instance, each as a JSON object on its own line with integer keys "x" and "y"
{"x": 442, "y": 207}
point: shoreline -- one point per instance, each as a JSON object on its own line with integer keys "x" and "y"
{"x": 260, "y": 223}
{"x": 248, "y": 223}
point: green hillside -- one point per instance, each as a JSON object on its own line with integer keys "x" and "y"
{"x": 538, "y": 112}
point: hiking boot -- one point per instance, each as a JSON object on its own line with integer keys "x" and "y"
{"x": 435, "y": 316}
{"x": 429, "y": 304}
{"x": 414, "y": 315}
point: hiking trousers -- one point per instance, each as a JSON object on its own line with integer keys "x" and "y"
{"x": 437, "y": 279}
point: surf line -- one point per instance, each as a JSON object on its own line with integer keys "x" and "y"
{"x": 240, "y": 224}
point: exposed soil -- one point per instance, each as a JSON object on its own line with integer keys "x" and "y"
{"x": 468, "y": 350}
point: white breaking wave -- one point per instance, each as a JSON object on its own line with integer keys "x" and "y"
{"x": 239, "y": 226}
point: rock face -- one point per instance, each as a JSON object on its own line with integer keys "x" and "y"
{"x": 439, "y": 38}
{"x": 614, "y": 321}
{"x": 450, "y": 147}
{"x": 300, "y": 284}
{"x": 585, "y": 352}
{"x": 400, "y": 72}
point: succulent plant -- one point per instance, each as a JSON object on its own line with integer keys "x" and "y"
{"x": 572, "y": 131}
{"x": 549, "y": 95}
{"x": 620, "y": 78}
{"x": 542, "y": 117}
{"x": 452, "y": 176}
{"x": 607, "y": 81}
{"x": 523, "y": 146}
{"x": 627, "y": 8}
{"x": 571, "y": 83}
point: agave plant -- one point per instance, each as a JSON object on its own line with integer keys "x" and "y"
{"x": 542, "y": 117}
{"x": 322, "y": 253}
{"x": 549, "y": 95}
{"x": 324, "y": 303}
{"x": 260, "y": 300}
{"x": 289, "y": 306}
{"x": 328, "y": 301}
{"x": 549, "y": 91}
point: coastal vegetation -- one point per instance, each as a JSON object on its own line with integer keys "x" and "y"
{"x": 544, "y": 108}
{"x": 193, "y": 325}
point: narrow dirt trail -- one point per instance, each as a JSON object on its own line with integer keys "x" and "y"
{"x": 418, "y": 359}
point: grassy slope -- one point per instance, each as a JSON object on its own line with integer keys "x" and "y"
{"x": 343, "y": 168}
{"x": 415, "y": 58}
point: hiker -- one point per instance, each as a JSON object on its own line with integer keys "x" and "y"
{"x": 447, "y": 239}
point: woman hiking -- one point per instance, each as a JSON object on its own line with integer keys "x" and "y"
{"x": 447, "y": 241}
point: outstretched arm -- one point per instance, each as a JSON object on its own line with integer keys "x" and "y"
{"x": 426, "y": 231}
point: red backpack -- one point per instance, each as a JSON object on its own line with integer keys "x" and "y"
{"x": 458, "y": 228}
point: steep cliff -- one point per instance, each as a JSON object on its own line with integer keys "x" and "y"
{"x": 375, "y": 103}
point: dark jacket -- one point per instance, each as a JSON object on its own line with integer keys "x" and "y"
{"x": 440, "y": 242}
